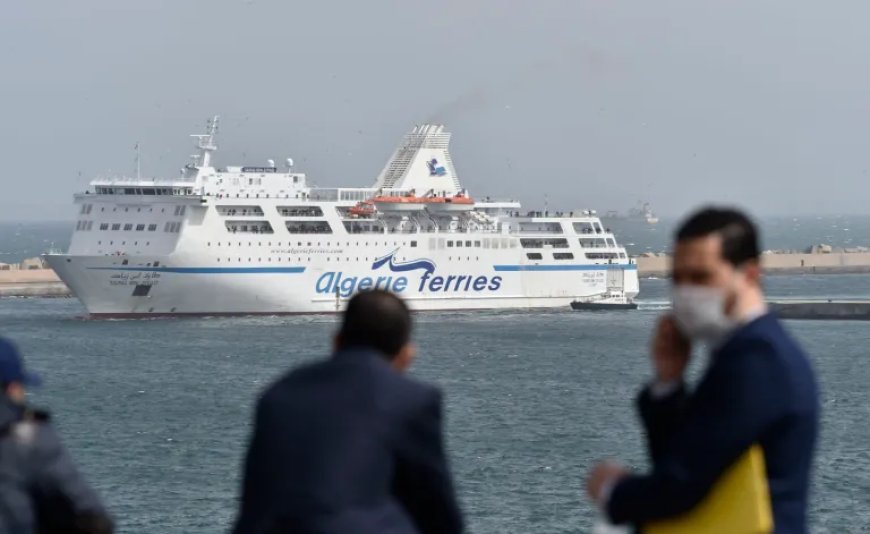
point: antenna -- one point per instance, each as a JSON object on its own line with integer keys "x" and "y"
{"x": 138, "y": 167}
{"x": 206, "y": 142}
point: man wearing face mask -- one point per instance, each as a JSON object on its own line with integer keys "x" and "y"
{"x": 759, "y": 386}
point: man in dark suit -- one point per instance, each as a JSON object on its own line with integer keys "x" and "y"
{"x": 758, "y": 387}
{"x": 351, "y": 444}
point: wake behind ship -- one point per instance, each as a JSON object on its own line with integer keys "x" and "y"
{"x": 250, "y": 240}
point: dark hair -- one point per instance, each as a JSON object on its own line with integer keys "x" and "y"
{"x": 376, "y": 319}
{"x": 739, "y": 234}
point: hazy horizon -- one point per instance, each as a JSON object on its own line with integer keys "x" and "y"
{"x": 574, "y": 104}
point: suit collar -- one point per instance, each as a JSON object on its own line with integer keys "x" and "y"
{"x": 745, "y": 327}
{"x": 360, "y": 353}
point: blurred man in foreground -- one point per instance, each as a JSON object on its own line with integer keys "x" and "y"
{"x": 40, "y": 489}
{"x": 758, "y": 388}
{"x": 350, "y": 444}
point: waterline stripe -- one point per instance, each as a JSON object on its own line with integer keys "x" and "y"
{"x": 608, "y": 267}
{"x": 206, "y": 270}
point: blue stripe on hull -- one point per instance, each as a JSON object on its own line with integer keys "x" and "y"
{"x": 206, "y": 270}
{"x": 609, "y": 267}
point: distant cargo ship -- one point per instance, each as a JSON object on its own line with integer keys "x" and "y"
{"x": 244, "y": 240}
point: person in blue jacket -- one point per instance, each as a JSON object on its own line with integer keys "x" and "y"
{"x": 41, "y": 490}
{"x": 351, "y": 444}
{"x": 758, "y": 387}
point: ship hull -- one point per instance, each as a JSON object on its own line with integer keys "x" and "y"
{"x": 170, "y": 285}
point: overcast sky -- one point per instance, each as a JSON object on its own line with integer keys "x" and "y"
{"x": 599, "y": 104}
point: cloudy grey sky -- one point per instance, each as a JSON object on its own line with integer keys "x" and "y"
{"x": 596, "y": 103}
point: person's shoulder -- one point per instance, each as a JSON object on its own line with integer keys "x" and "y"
{"x": 291, "y": 379}
{"x": 35, "y": 432}
{"x": 767, "y": 336}
{"x": 414, "y": 393}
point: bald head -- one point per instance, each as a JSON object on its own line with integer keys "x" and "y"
{"x": 378, "y": 320}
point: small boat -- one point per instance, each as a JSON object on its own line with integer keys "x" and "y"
{"x": 611, "y": 300}
{"x": 579, "y": 305}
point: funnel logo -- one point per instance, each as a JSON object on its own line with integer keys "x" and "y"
{"x": 338, "y": 283}
{"x": 435, "y": 169}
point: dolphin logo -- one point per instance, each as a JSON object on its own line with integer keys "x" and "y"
{"x": 403, "y": 266}
{"x": 435, "y": 169}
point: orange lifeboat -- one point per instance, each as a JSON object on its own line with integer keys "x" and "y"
{"x": 363, "y": 209}
{"x": 399, "y": 203}
{"x": 455, "y": 203}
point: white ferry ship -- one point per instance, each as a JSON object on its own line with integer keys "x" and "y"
{"x": 259, "y": 240}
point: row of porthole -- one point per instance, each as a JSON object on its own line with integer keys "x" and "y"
{"x": 310, "y": 244}
{"x": 139, "y": 210}
{"x": 135, "y": 243}
{"x": 260, "y": 260}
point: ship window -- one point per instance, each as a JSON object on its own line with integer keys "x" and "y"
{"x": 544, "y": 242}
{"x": 104, "y": 226}
{"x": 468, "y": 243}
{"x": 477, "y": 243}
{"x": 534, "y": 255}
{"x": 541, "y": 227}
{"x": 584, "y": 228}
{"x": 563, "y": 256}
{"x": 413, "y": 243}
{"x": 128, "y": 227}
{"x": 116, "y": 226}
{"x": 450, "y": 244}
{"x": 308, "y": 227}
{"x": 592, "y": 242}
{"x": 601, "y": 255}
{"x": 140, "y": 227}
{"x": 254, "y": 211}
{"x": 300, "y": 211}
{"x": 152, "y": 227}
{"x": 459, "y": 243}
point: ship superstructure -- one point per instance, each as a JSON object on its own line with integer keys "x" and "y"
{"x": 259, "y": 239}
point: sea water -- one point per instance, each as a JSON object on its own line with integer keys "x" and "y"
{"x": 157, "y": 412}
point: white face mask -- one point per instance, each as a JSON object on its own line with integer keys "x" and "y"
{"x": 699, "y": 312}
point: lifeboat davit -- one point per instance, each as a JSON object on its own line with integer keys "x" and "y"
{"x": 450, "y": 204}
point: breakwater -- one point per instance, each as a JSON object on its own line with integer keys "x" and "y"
{"x": 659, "y": 265}
{"x": 32, "y": 283}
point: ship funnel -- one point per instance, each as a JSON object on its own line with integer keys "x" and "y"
{"x": 421, "y": 162}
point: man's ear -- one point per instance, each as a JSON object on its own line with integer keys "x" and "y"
{"x": 402, "y": 361}
{"x": 753, "y": 271}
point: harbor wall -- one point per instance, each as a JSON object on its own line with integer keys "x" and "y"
{"x": 777, "y": 263}
{"x": 31, "y": 283}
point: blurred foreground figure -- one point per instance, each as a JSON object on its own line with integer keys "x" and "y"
{"x": 350, "y": 444}
{"x": 758, "y": 388}
{"x": 40, "y": 489}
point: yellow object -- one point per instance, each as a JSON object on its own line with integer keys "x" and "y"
{"x": 738, "y": 503}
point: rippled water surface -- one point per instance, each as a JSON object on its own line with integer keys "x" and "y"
{"x": 157, "y": 411}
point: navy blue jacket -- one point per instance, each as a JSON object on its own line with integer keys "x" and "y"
{"x": 348, "y": 445}
{"x": 759, "y": 388}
